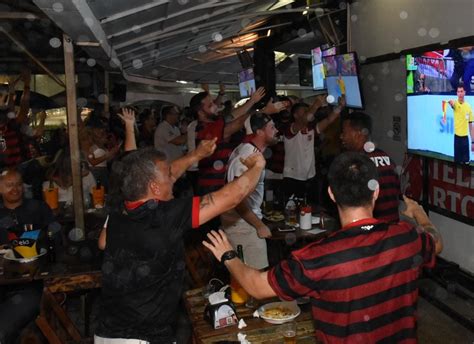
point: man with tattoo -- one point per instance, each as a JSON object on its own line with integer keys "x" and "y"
{"x": 362, "y": 279}
{"x": 143, "y": 267}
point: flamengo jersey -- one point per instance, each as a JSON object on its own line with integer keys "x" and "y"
{"x": 386, "y": 206}
{"x": 362, "y": 281}
{"x": 212, "y": 170}
{"x": 299, "y": 154}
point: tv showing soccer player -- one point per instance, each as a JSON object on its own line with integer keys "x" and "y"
{"x": 319, "y": 76}
{"x": 440, "y": 96}
{"x": 246, "y": 83}
{"x": 342, "y": 78}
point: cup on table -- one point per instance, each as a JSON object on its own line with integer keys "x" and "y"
{"x": 51, "y": 197}
{"x": 288, "y": 331}
{"x": 98, "y": 197}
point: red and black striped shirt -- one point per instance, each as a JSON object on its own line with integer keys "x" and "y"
{"x": 362, "y": 281}
{"x": 386, "y": 206}
{"x": 212, "y": 170}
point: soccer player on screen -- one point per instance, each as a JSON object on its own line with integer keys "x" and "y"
{"x": 463, "y": 125}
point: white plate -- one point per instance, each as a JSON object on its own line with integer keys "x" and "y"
{"x": 287, "y": 304}
{"x": 9, "y": 255}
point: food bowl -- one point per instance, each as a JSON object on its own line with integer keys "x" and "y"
{"x": 279, "y": 312}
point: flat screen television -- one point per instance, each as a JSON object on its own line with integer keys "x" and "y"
{"x": 318, "y": 69}
{"x": 342, "y": 78}
{"x": 435, "y": 128}
{"x": 318, "y": 66}
{"x": 246, "y": 83}
{"x": 305, "y": 71}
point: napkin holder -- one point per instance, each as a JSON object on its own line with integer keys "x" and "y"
{"x": 220, "y": 312}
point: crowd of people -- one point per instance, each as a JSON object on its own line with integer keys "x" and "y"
{"x": 208, "y": 167}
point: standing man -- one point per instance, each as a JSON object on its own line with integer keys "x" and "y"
{"x": 212, "y": 170}
{"x": 355, "y": 136}
{"x": 168, "y": 137}
{"x": 299, "y": 167}
{"x": 143, "y": 267}
{"x": 463, "y": 124}
{"x": 362, "y": 279}
{"x": 243, "y": 224}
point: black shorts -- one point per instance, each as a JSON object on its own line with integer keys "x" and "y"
{"x": 461, "y": 148}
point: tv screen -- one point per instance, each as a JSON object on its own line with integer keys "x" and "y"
{"x": 305, "y": 71}
{"x": 329, "y": 51}
{"x": 246, "y": 83}
{"x": 342, "y": 78}
{"x": 439, "y": 114}
{"x": 317, "y": 69}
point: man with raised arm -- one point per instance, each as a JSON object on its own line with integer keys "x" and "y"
{"x": 362, "y": 279}
{"x": 143, "y": 268}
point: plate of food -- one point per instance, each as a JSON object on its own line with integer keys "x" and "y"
{"x": 279, "y": 312}
{"x": 274, "y": 216}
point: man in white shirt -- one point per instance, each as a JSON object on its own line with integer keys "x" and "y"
{"x": 299, "y": 165}
{"x": 168, "y": 137}
{"x": 243, "y": 224}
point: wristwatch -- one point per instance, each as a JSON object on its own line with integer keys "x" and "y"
{"x": 228, "y": 256}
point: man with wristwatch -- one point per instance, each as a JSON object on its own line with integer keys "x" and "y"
{"x": 362, "y": 279}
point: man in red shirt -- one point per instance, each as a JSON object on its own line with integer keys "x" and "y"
{"x": 362, "y": 279}
{"x": 355, "y": 136}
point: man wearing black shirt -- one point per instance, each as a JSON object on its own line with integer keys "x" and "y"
{"x": 144, "y": 266}
{"x": 19, "y": 304}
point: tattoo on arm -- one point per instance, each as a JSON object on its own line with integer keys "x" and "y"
{"x": 206, "y": 200}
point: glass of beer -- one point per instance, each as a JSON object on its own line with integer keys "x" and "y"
{"x": 288, "y": 330}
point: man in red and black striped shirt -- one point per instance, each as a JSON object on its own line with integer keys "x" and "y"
{"x": 355, "y": 136}
{"x": 362, "y": 279}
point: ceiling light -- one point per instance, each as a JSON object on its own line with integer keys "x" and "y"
{"x": 88, "y": 44}
{"x": 305, "y": 13}
{"x": 269, "y": 32}
{"x": 181, "y": 82}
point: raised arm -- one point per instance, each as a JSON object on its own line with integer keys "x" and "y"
{"x": 25, "y": 98}
{"x": 253, "y": 281}
{"x": 254, "y": 99}
{"x": 415, "y": 211}
{"x": 233, "y": 193}
{"x": 205, "y": 149}
{"x": 128, "y": 117}
{"x": 336, "y": 112}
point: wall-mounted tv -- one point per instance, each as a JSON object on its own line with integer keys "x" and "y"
{"x": 318, "y": 66}
{"x": 439, "y": 113}
{"x": 246, "y": 83}
{"x": 342, "y": 78}
{"x": 305, "y": 71}
{"x": 318, "y": 69}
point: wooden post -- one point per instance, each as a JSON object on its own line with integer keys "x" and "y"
{"x": 73, "y": 130}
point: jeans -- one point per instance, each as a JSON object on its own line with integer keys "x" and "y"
{"x": 19, "y": 305}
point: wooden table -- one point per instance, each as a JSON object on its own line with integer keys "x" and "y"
{"x": 257, "y": 330}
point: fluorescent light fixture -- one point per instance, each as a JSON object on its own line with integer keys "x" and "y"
{"x": 88, "y": 44}
{"x": 181, "y": 82}
{"x": 269, "y": 32}
{"x": 280, "y": 3}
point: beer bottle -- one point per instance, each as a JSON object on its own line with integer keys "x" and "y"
{"x": 51, "y": 248}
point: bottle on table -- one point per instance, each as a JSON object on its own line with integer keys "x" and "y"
{"x": 98, "y": 195}
{"x": 238, "y": 295}
{"x": 305, "y": 214}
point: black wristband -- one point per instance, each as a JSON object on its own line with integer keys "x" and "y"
{"x": 228, "y": 256}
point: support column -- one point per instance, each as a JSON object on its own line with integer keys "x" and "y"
{"x": 73, "y": 131}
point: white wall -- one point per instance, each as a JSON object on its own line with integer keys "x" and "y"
{"x": 378, "y": 29}
{"x": 385, "y": 26}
